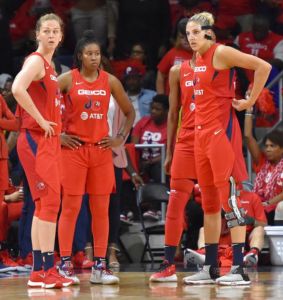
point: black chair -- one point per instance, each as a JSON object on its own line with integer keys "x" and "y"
{"x": 152, "y": 193}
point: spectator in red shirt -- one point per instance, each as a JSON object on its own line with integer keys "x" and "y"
{"x": 179, "y": 53}
{"x": 269, "y": 167}
{"x": 152, "y": 130}
{"x": 262, "y": 42}
{"x": 256, "y": 220}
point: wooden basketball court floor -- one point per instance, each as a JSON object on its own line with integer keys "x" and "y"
{"x": 267, "y": 283}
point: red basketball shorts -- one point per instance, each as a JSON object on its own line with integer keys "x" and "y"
{"x": 41, "y": 158}
{"x": 88, "y": 169}
{"x": 183, "y": 163}
{"x": 214, "y": 156}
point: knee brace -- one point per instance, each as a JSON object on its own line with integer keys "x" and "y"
{"x": 236, "y": 216}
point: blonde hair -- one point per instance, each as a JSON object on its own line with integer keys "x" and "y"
{"x": 203, "y": 18}
{"x": 49, "y": 17}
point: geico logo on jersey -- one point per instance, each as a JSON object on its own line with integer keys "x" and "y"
{"x": 52, "y": 77}
{"x": 200, "y": 69}
{"x": 189, "y": 83}
{"x": 92, "y": 92}
{"x": 198, "y": 92}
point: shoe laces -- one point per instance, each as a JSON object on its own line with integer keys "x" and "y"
{"x": 102, "y": 268}
{"x": 54, "y": 272}
{"x": 163, "y": 266}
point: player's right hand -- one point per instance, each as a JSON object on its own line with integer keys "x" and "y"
{"x": 167, "y": 164}
{"x": 70, "y": 141}
{"x": 47, "y": 126}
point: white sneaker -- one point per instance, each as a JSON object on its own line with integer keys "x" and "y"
{"x": 99, "y": 274}
{"x": 193, "y": 257}
{"x": 236, "y": 276}
{"x": 67, "y": 271}
{"x": 251, "y": 259}
{"x": 207, "y": 275}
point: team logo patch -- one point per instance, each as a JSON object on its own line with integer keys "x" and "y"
{"x": 192, "y": 107}
{"x": 93, "y": 104}
{"x": 40, "y": 186}
{"x": 84, "y": 115}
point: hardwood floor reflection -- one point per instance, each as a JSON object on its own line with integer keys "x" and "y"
{"x": 135, "y": 285}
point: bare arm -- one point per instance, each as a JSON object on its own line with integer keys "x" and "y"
{"x": 249, "y": 138}
{"x": 228, "y": 57}
{"x": 160, "y": 83}
{"x": 276, "y": 199}
{"x": 65, "y": 82}
{"x": 173, "y": 114}
{"x": 33, "y": 69}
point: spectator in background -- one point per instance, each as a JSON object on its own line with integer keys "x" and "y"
{"x": 7, "y": 122}
{"x": 141, "y": 98}
{"x": 265, "y": 44}
{"x": 6, "y": 81}
{"x": 179, "y": 53}
{"x": 152, "y": 130}
{"x": 187, "y": 8}
{"x": 144, "y": 21}
{"x": 7, "y": 8}
{"x": 274, "y": 10}
{"x": 137, "y": 56}
{"x": 231, "y": 12}
{"x": 262, "y": 42}
{"x": 139, "y": 52}
{"x": 268, "y": 165}
{"x": 99, "y": 15}
{"x": 256, "y": 221}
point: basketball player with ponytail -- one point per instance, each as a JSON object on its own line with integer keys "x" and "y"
{"x": 36, "y": 90}
{"x": 214, "y": 152}
{"x": 87, "y": 163}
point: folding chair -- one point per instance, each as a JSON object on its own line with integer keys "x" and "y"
{"x": 152, "y": 193}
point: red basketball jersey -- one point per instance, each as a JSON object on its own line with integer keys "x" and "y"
{"x": 213, "y": 90}
{"x": 86, "y": 107}
{"x": 45, "y": 95}
{"x": 187, "y": 95}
